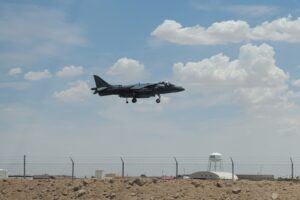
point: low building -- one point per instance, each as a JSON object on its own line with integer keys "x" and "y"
{"x": 43, "y": 176}
{"x": 213, "y": 175}
{"x": 99, "y": 174}
{"x": 3, "y": 174}
{"x": 110, "y": 176}
{"x": 256, "y": 177}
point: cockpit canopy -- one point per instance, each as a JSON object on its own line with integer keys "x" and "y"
{"x": 166, "y": 83}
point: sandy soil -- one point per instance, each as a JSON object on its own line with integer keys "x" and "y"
{"x": 147, "y": 189}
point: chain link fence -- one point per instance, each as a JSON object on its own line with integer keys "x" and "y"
{"x": 85, "y": 166}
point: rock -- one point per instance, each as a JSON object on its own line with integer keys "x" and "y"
{"x": 76, "y": 188}
{"x": 85, "y": 182}
{"x": 219, "y": 185}
{"x": 236, "y": 190}
{"x": 111, "y": 181}
{"x": 105, "y": 194}
{"x": 133, "y": 194}
{"x": 109, "y": 195}
{"x": 81, "y": 193}
{"x": 136, "y": 181}
{"x": 195, "y": 183}
{"x": 154, "y": 180}
{"x": 274, "y": 196}
{"x": 139, "y": 182}
{"x": 176, "y": 196}
{"x": 65, "y": 193}
{"x": 228, "y": 185}
{"x": 131, "y": 182}
{"x": 19, "y": 190}
{"x": 112, "y": 195}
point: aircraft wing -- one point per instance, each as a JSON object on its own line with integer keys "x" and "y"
{"x": 141, "y": 86}
{"x": 144, "y": 86}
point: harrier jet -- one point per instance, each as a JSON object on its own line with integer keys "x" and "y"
{"x": 141, "y": 90}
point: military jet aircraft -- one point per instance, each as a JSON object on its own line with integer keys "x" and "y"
{"x": 141, "y": 90}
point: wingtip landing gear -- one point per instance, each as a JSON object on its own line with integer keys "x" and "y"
{"x": 126, "y": 100}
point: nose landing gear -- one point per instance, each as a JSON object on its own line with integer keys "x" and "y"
{"x": 158, "y": 100}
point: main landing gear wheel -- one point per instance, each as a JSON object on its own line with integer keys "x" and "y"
{"x": 126, "y": 100}
{"x": 134, "y": 100}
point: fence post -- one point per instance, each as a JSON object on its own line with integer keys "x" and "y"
{"x": 176, "y": 171}
{"x": 292, "y": 167}
{"x": 122, "y": 167}
{"x": 72, "y": 168}
{"x": 24, "y": 166}
{"x": 232, "y": 168}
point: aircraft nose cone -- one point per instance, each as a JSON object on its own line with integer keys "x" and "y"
{"x": 180, "y": 89}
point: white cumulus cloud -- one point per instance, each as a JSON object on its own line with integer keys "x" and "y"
{"x": 215, "y": 70}
{"x": 34, "y": 76}
{"x": 126, "y": 67}
{"x": 70, "y": 71}
{"x": 15, "y": 71}
{"x": 254, "y": 76}
{"x": 77, "y": 93}
{"x": 254, "y": 67}
{"x": 282, "y": 29}
{"x": 264, "y": 96}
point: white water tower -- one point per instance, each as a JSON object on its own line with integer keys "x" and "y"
{"x": 215, "y": 162}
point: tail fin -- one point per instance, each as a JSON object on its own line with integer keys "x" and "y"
{"x": 100, "y": 82}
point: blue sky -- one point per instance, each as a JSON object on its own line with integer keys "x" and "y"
{"x": 238, "y": 62}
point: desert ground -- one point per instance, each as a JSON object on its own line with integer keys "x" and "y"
{"x": 147, "y": 189}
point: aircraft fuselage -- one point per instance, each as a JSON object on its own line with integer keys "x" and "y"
{"x": 144, "y": 90}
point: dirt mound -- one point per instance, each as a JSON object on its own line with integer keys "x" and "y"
{"x": 148, "y": 189}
